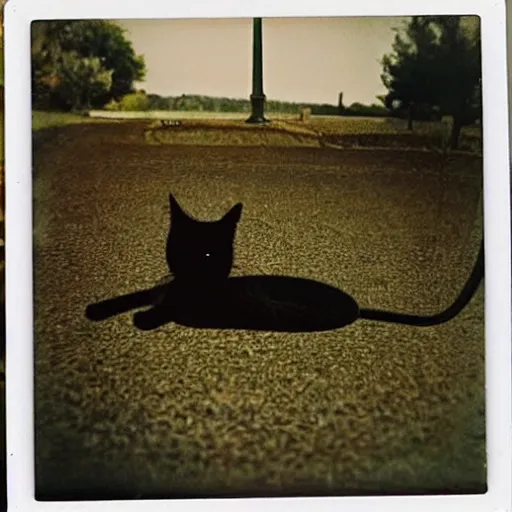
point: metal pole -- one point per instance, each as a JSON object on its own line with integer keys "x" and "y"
{"x": 257, "y": 96}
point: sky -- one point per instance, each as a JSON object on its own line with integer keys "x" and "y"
{"x": 304, "y": 60}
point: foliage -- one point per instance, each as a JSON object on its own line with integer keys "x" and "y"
{"x": 43, "y": 120}
{"x": 325, "y": 109}
{"x": 133, "y": 102}
{"x": 435, "y": 70}
{"x": 81, "y": 81}
{"x": 81, "y": 64}
{"x": 409, "y": 71}
{"x": 360, "y": 110}
{"x": 199, "y": 103}
{"x": 460, "y": 73}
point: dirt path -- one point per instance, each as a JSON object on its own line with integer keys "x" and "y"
{"x": 177, "y": 410}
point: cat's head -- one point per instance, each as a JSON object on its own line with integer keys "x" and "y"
{"x": 201, "y": 252}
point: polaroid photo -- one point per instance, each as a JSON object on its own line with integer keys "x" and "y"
{"x": 246, "y": 248}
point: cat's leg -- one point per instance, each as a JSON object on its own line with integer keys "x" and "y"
{"x": 152, "y": 318}
{"x": 111, "y": 307}
{"x": 161, "y": 312}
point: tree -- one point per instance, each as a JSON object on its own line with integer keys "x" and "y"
{"x": 408, "y": 71}
{"x": 82, "y": 81}
{"x": 435, "y": 67}
{"x": 459, "y": 72}
{"x": 110, "y": 66}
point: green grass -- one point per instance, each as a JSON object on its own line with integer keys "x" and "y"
{"x": 335, "y": 125}
{"x": 178, "y": 114}
{"x": 42, "y": 120}
{"x": 323, "y": 124}
{"x": 225, "y": 128}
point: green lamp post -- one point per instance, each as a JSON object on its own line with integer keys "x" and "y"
{"x": 257, "y": 96}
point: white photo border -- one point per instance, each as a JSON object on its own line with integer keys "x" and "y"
{"x": 19, "y": 14}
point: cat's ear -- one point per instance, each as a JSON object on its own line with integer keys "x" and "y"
{"x": 176, "y": 209}
{"x": 233, "y": 216}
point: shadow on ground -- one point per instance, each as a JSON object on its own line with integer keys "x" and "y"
{"x": 258, "y": 303}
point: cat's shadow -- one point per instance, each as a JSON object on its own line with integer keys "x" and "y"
{"x": 258, "y": 303}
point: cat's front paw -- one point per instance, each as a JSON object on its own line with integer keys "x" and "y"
{"x": 143, "y": 321}
{"x": 96, "y": 312}
{"x": 149, "y": 319}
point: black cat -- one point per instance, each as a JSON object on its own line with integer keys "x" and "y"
{"x": 200, "y": 259}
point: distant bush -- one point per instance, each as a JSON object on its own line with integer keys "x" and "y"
{"x": 358, "y": 109}
{"x": 134, "y": 102}
{"x": 157, "y": 102}
{"x": 112, "y": 106}
{"x": 285, "y": 107}
{"x": 325, "y": 109}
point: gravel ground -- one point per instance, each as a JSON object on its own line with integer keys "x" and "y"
{"x": 177, "y": 411}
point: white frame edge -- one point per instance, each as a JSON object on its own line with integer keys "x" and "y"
{"x": 19, "y": 369}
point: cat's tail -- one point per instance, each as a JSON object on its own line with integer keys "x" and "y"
{"x": 458, "y": 305}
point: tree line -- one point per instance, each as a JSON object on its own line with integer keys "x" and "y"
{"x": 140, "y": 101}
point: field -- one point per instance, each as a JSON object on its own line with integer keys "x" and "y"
{"x": 179, "y": 411}
{"x": 331, "y": 131}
